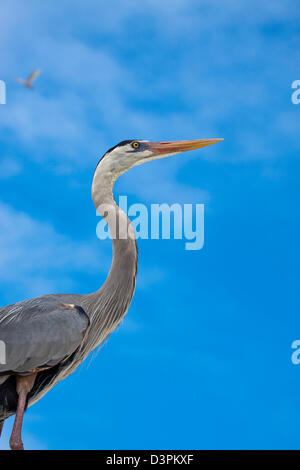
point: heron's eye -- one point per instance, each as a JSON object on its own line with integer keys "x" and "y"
{"x": 135, "y": 145}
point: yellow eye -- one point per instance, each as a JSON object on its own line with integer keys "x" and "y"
{"x": 135, "y": 145}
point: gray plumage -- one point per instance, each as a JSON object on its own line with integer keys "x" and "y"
{"x": 52, "y": 333}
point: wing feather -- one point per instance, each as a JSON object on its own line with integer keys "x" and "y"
{"x": 33, "y": 76}
{"x": 40, "y": 333}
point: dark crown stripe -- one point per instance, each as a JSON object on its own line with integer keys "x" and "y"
{"x": 120, "y": 144}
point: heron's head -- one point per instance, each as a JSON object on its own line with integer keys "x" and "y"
{"x": 130, "y": 153}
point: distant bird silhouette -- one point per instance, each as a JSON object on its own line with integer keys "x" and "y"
{"x": 30, "y": 79}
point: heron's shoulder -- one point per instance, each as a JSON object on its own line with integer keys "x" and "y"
{"x": 31, "y": 308}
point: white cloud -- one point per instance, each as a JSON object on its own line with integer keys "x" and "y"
{"x": 94, "y": 78}
{"x": 38, "y": 260}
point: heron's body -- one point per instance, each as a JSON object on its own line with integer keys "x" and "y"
{"x": 48, "y": 337}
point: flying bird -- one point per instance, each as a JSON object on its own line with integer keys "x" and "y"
{"x": 30, "y": 79}
{"x": 46, "y": 338}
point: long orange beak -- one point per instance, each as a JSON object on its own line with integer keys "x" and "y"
{"x": 159, "y": 148}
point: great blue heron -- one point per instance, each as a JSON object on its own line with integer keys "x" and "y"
{"x": 30, "y": 79}
{"x": 46, "y": 338}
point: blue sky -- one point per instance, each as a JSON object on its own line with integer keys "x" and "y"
{"x": 203, "y": 358}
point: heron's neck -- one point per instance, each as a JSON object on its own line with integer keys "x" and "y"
{"x": 108, "y": 306}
